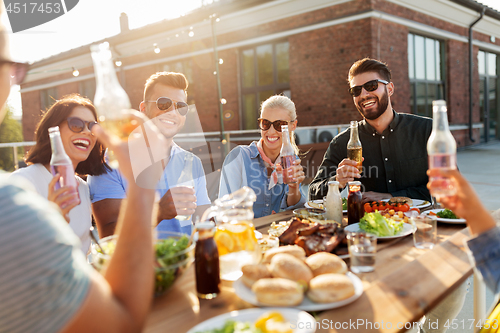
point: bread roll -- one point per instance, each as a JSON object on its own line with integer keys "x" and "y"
{"x": 286, "y": 266}
{"x": 252, "y": 273}
{"x": 328, "y": 288}
{"x": 294, "y": 250}
{"x": 324, "y": 263}
{"x": 278, "y": 292}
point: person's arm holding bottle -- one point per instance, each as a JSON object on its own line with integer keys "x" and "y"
{"x": 119, "y": 301}
{"x": 485, "y": 244}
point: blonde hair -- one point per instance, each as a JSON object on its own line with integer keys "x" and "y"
{"x": 282, "y": 102}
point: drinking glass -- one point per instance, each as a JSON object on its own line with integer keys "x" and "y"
{"x": 425, "y": 231}
{"x": 362, "y": 250}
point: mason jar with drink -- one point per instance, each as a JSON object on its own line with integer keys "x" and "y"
{"x": 235, "y": 234}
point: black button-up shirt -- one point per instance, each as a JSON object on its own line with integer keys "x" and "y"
{"x": 395, "y": 161}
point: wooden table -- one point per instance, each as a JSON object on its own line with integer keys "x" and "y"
{"x": 407, "y": 282}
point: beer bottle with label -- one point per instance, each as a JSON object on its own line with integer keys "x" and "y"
{"x": 442, "y": 150}
{"x": 354, "y": 149}
{"x": 287, "y": 153}
{"x": 60, "y": 162}
{"x": 354, "y": 205}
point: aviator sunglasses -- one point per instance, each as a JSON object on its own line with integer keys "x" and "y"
{"x": 265, "y": 124}
{"x": 77, "y": 125}
{"x": 369, "y": 86}
{"x": 164, "y": 103}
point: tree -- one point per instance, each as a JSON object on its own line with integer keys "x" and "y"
{"x": 10, "y": 131}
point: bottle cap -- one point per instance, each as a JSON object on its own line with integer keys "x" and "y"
{"x": 54, "y": 129}
{"x": 333, "y": 182}
{"x": 356, "y": 183}
{"x": 284, "y": 128}
{"x": 207, "y": 225}
{"x": 439, "y": 102}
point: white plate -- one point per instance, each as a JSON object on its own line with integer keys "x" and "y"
{"x": 420, "y": 204}
{"x": 247, "y": 295}
{"x": 407, "y": 230}
{"x": 296, "y": 318}
{"x": 319, "y": 201}
{"x": 440, "y": 219}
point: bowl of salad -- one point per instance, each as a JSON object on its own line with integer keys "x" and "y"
{"x": 173, "y": 254}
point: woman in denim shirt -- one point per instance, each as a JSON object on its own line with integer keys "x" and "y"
{"x": 485, "y": 244}
{"x": 256, "y": 165}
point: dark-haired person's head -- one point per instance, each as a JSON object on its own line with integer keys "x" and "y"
{"x": 371, "y": 87}
{"x": 165, "y": 101}
{"x": 74, "y": 115}
{"x": 370, "y": 65}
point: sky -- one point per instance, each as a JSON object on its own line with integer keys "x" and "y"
{"x": 92, "y": 20}
{"x": 87, "y": 22}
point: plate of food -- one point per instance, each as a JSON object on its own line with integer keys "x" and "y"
{"x": 253, "y": 320}
{"x": 318, "y": 204}
{"x": 381, "y": 226}
{"x": 417, "y": 203}
{"x": 287, "y": 292}
{"x": 445, "y": 216}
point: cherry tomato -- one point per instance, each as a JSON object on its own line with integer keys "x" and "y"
{"x": 415, "y": 209}
{"x": 368, "y": 208}
{"x": 404, "y": 208}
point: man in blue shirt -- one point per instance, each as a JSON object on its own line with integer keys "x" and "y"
{"x": 165, "y": 102}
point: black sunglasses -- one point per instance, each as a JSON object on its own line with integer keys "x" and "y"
{"x": 18, "y": 71}
{"x": 265, "y": 124}
{"x": 369, "y": 86}
{"x": 164, "y": 103}
{"x": 77, "y": 125}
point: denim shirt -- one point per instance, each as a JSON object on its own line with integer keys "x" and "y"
{"x": 486, "y": 252}
{"x": 244, "y": 166}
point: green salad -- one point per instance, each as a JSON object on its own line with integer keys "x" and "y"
{"x": 375, "y": 223}
{"x": 447, "y": 214}
{"x": 166, "y": 251}
{"x": 232, "y": 326}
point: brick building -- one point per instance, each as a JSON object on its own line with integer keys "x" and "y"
{"x": 304, "y": 50}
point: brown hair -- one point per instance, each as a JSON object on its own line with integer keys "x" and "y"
{"x": 369, "y": 65}
{"x": 41, "y": 152}
{"x": 171, "y": 79}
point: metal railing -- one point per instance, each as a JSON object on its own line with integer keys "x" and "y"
{"x": 14, "y": 146}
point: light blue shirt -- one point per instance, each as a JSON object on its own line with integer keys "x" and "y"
{"x": 486, "y": 252}
{"x": 244, "y": 166}
{"x": 112, "y": 185}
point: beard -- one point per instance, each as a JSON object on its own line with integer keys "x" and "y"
{"x": 382, "y": 103}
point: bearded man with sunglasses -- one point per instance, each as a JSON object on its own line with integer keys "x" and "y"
{"x": 394, "y": 144}
{"x": 395, "y": 159}
{"x": 164, "y": 102}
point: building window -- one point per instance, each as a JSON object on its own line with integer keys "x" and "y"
{"x": 47, "y": 97}
{"x": 488, "y": 92}
{"x": 87, "y": 89}
{"x": 264, "y": 72}
{"x": 185, "y": 67}
{"x": 426, "y": 73}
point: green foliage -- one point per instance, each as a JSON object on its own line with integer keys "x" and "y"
{"x": 10, "y": 131}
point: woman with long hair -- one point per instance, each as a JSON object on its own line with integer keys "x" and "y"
{"x": 75, "y": 116}
{"x": 256, "y": 165}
